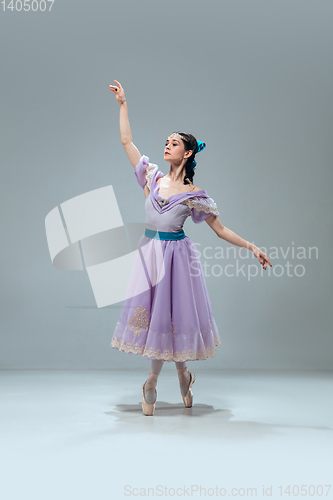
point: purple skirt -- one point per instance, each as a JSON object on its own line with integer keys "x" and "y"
{"x": 167, "y": 313}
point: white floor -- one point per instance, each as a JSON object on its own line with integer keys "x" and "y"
{"x": 82, "y": 435}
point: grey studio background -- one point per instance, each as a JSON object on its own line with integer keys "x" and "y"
{"x": 253, "y": 79}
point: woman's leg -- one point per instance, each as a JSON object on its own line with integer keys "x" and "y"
{"x": 155, "y": 370}
{"x": 156, "y": 365}
{"x": 183, "y": 376}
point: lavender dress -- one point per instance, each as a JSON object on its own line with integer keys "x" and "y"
{"x": 172, "y": 319}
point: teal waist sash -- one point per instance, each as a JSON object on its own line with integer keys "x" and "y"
{"x": 164, "y": 235}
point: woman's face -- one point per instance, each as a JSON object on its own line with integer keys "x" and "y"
{"x": 175, "y": 150}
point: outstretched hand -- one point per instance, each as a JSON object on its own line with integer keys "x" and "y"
{"x": 118, "y": 92}
{"x": 262, "y": 257}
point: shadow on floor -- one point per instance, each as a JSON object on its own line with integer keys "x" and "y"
{"x": 201, "y": 419}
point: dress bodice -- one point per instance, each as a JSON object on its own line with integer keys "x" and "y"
{"x": 169, "y": 214}
{"x": 169, "y": 220}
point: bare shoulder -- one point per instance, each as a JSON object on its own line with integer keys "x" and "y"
{"x": 192, "y": 186}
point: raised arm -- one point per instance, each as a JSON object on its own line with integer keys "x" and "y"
{"x": 132, "y": 151}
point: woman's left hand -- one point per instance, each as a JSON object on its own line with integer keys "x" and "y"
{"x": 262, "y": 257}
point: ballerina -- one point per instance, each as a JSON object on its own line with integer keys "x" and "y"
{"x": 173, "y": 320}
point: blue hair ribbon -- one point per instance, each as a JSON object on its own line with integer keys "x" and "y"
{"x": 201, "y": 147}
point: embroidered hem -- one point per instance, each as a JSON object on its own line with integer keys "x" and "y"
{"x": 166, "y": 355}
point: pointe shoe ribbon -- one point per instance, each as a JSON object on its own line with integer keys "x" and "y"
{"x": 188, "y": 398}
{"x": 148, "y": 408}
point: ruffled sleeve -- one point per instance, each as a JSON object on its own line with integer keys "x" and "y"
{"x": 144, "y": 171}
{"x": 201, "y": 208}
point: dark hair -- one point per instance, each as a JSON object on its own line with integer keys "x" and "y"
{"x": 190, "y": 142}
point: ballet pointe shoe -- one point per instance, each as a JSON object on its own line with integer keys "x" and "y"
{"x": 188, "y": 398}
{"x": 148, "y": 408}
